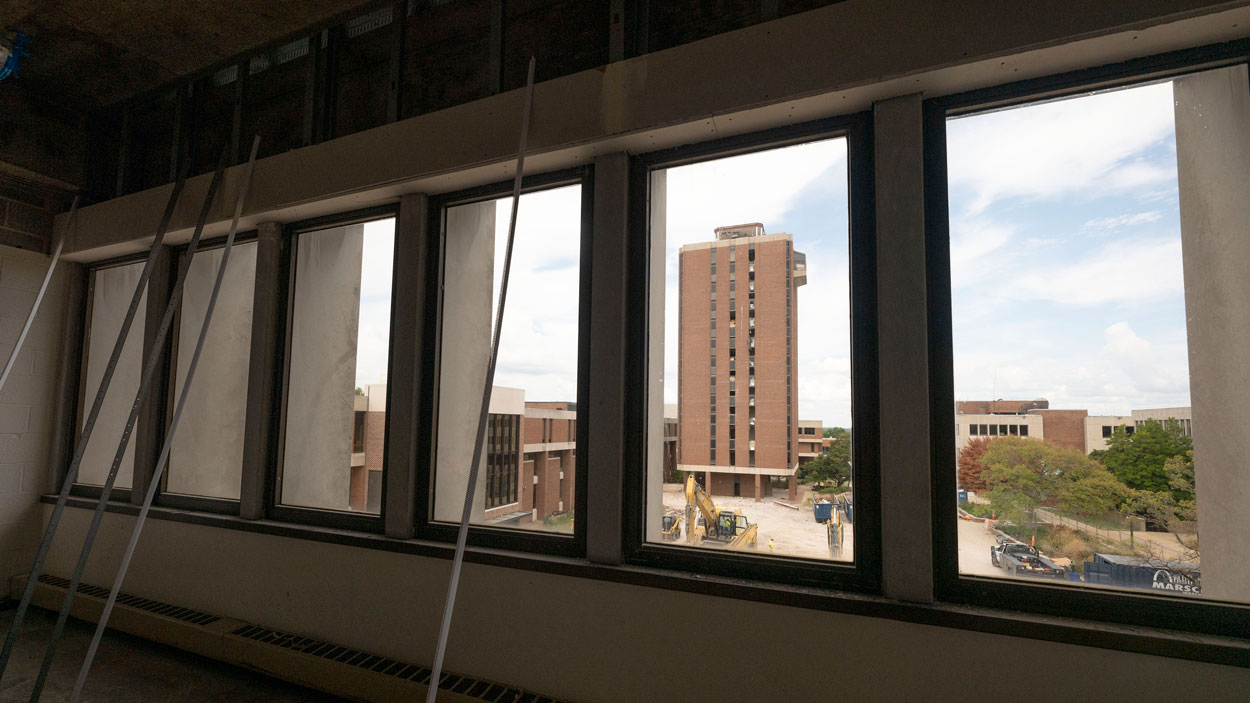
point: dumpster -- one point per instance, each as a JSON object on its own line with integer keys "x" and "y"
{"x": 823, "y": 510}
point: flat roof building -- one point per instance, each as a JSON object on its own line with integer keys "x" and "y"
{"x": 737, "y": 350}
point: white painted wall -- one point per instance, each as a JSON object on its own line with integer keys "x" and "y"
{"x": 26, "y": 401}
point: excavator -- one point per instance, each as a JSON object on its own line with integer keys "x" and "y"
{"x": 705, "y": 522}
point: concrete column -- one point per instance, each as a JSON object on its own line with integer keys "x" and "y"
{"x": 320, "y": 405}
{"x": 111, "y": 290}
{"x": 207, "y": 451}
{"x": 658, "y": 198}
{"x": 906, "y": 521}
{"x": 605, "y": 411}
{"x": 266, "y": 316}
{"x": 757, "y": 488}
{"x": 794, "y": 487}
{"x": 1213, "y": 160}
{"x": 467, "y": 296}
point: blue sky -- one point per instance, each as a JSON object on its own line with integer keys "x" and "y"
{"x": 1065, "y": 248}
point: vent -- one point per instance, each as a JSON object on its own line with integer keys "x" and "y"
{"x": 194, "y": 617}
{"x": 463, "y": 685}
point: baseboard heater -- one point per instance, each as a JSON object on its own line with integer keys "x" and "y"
{"x": 324, "y": 666}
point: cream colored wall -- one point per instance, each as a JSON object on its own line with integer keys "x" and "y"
{"x": 26, "y": 401}
{"x": 590, "y": 640}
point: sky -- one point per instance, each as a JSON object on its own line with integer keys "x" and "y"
{"x": 1065, "y": 251}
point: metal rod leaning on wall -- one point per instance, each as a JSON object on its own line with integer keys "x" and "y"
{"x": 71, "y": 472}
{"x": 462, "y": 536}
{"x": 30, "y": 319}
{"x": 145, "y": 384}
{"x": 169, "y": 436}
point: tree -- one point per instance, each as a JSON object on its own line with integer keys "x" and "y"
{"x": 838, "y": 432}
{"x": 970, "y": 466}
{"x": 1138, "y": 459}
{"x": 358, "y": 391}
{"x": 833, "y": 468}
{"x": 1023, "y": 474}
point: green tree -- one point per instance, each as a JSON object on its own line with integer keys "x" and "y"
{"x": 833, "y": 468}
{"x": 1138, "y": 459}
{"x": 838, "y": 432}
{"x": 358, "y": 391}
{"x": 1023, "y": 474}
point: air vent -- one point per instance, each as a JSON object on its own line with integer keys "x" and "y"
{"x": 464, "y": 685}
{"x": 194, "y": 617}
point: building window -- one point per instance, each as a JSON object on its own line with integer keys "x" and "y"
{"x": 111, "y": 289}
{"x": 502, "y": 455}
{"x": 538, "y": 376}
{"x": 358, "y": 432}
{"x": 339, "y": 334}
{"x": 779, "y": 362}
{"x": 206, "y": 457}
{"x": 1106, "y": 274}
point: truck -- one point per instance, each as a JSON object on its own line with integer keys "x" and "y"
{"x": 1019, "y": 559}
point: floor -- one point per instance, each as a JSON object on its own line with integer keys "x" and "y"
{"x": 128, "y": 668}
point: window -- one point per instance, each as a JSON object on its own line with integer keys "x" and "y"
{"x": 538, "y": 374}
{"x": 502, "y": 459}
{"x": 1084, "y": 203}
{"x": 339, "y": 343}
{"x": 206, "y": 458}
{"x": 111, "y": 289}
{"x": 704, "y": 202}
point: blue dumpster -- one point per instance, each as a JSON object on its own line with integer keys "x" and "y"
{"x": 823, "y": 511}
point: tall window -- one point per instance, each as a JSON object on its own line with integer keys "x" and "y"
{"x": 339, "y": 341}
{"x": 536, "y": 376}
{"x": 111, "y": 291}
{"x": 1092, "y": 244}
{"x": 783, "y": 211}
{"x": 206, "y": 458}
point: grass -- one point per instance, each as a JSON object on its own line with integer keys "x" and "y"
{"x": 977, "y": 509}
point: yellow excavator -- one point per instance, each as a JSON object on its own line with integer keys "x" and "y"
{"x": 705, "y": 522}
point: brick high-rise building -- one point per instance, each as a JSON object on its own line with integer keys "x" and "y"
{"x": 738, "y": 360}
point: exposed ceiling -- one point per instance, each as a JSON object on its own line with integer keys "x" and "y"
{"x": 91, "y": 53}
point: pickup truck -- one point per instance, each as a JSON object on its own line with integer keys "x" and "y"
{"x": 1019, "y": 559}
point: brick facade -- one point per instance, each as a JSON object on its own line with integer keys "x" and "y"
{"x": 738, "y": 311}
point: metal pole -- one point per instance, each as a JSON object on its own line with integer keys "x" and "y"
{"x": 145, "y": 383}
{"x": 56, "y": 256}
{"x": 169, "y": 437}
{"x": 458, "y": 561}
{"x": 71, "y": 473}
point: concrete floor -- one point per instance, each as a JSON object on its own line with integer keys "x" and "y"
{"x": 132, "y": 669}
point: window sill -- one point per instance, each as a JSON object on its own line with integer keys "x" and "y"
{"x": 1141, "y": 640}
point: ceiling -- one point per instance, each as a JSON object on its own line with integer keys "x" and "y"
{"x": 91, "y": 53}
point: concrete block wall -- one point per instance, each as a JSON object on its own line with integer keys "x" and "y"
{"x": 26, "y": 401}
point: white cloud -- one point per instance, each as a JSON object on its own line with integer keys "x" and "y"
{"x": 1078, "y": 147}
{"x": 1126, "y": 270}
{"x": 1103, "y": 225}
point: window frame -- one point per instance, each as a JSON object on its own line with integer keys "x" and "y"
{"x": 274, "y": 508}
{"x": 1211, "y": 617}
{"x": 185, "y": 501}
{"x": 519, "y": 540}
{"x": 864, "y": 573}
{"x": 81, "y": 400}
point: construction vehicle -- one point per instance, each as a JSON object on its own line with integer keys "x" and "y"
{"x": 670, "y": 526}
{"x": 705, "y": 522}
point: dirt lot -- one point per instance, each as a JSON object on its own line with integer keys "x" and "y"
{"x": 794, "y": 532}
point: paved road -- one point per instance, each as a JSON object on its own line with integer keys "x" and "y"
{"x": 974, "y": 549}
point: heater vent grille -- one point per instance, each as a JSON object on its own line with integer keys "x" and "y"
{"x": 194, "y": 617}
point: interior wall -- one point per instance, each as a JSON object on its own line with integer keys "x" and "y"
{"x": 589, "y": 640}
{"x": 26, "y": 401}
